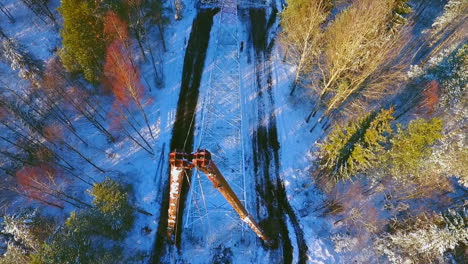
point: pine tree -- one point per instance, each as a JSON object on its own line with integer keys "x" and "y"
{"x": 82, "y": 36}
{"x": 426, "y": 240}
{"x": 66, "y": 246}
{"x": 81, "y": 238}
{"x": 355, "y": 147}
{"x": 25, "y": 232}
{"x": 111, "y": 201}
{"x": 14, "y": 254}
{"x": 28, "y": 227}
{"x": 454, "y": 10}
{"x": 29, "y": 68}
{"x": 410, "y": 146}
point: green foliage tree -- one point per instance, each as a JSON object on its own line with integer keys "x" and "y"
{"x": 67, "y": 246}
{"x": 79, "y": 240}
{"x": 356, "y": 146}
{"x": 14, "y": 254}
{"x": 82, "y": 37}
{"x": 410, "y": 146}
{"x": 24, "y": 231}
{"x": 112, "y": 204}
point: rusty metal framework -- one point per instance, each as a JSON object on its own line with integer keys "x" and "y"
{"x": 203, "y": 161}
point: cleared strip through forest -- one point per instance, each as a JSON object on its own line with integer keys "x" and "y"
{"x": 182, "y": 134}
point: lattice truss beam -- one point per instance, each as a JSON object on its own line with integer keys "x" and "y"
{"x": 221, "y": 132}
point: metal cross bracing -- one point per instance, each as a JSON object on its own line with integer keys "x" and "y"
{"x": 242, "y": 3}
{"x": 221, "y": 133}
{"x": 203, "y": 161}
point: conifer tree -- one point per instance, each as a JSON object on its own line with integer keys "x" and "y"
{"x": 111, "y": 201}
{"x": 29, "y": 68}
{"x": 24, "y": 232}
{"x": 355, "y": 147}
{"x": 81, "y": 238}
{"x": 410, "y": 146}
{"x": 82, "y": 36}
{"x": 427, "y": 239}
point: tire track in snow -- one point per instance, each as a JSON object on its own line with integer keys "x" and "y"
{"x": 269, "y": 186}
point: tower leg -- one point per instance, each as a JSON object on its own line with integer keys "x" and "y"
{"x": 176, "y": 181}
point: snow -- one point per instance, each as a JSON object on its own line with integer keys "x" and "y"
{"x": 123, "y": 160}
{"x": 153, "y": 172}
{"x": 211, "y": 222}
{"x": 296, "y": 157}
{"x": 224, "y": 124}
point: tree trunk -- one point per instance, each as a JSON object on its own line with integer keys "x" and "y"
{"x": 7, "y": 14}
{"x": 161, "y": 35}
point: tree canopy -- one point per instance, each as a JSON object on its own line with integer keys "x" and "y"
{"x": 82, "y": 37}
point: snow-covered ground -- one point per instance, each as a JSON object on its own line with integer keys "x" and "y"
{"x": 227, "y": 116}
{"x": 245, "y": 116}
{"x": 225, "y": 123}
{"x": 123, "y": 160}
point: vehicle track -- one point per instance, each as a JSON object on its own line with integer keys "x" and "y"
{"x": 269, "y": 186}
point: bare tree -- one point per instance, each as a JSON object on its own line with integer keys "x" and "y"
{"x": 58, "y": 86}
{"x": 40, "y": 8}
{"x": 6, "y": 12}
{"x": 25, "y": 122}
{"x": 359, "y": 55}
{"x": 302, "y": 34}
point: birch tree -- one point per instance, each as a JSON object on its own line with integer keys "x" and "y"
{"x": 302, "y": 33}
{"x": 358, "y": 54}
{"x": 121, "y": 73}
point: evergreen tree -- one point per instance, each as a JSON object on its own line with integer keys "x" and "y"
{"x": 116, "y": 213}
{"x": 27, "y": 227}
{"x": 426, "y": 240}
{"x": 29, "y": 68}
{"x": 14, "y": 254}
{"x": 66, "y": 246}
{"x": 82, "y": 36}
{"x": 355, "y": 147}
{"x": 24, "y": 233}
{"x": 81, "y": 238}
{"x": 410, "y": 146}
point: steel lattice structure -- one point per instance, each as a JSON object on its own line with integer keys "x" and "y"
{"x": 221, "y": 129}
